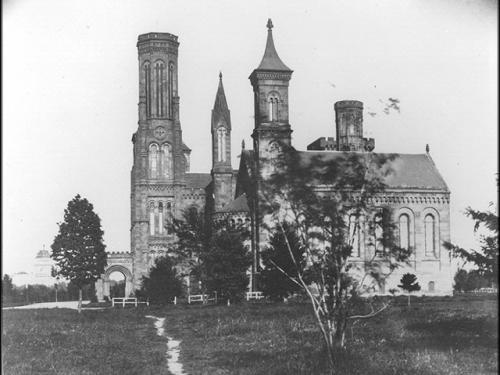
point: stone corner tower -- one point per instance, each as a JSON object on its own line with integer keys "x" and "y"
{"x": 160, "y": 161}
{"x": 222, "y": 171}
{"x": 349, "y": 127}
{"x": 270, "y": 86}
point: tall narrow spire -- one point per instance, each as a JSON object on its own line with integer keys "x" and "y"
{"x": 271, "y": 60}
{"x": 220, "y": 104}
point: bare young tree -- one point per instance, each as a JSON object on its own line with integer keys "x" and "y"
{"x": 328, "y": 201}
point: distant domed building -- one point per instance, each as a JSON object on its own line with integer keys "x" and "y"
{"x": 39, "y": 273}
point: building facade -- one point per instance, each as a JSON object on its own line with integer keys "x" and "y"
{"x": 162, "y": 186}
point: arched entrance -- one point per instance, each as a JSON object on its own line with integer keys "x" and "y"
{"x": 108, "y": 279}
{"x": 116, "y": 284}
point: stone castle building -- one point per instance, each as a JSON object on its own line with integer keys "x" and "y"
{"x": 162, "y": 185}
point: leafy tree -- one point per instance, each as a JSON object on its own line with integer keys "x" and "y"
{"x": 162, "y": 284}
{"x": 486, "y": 260}
{"x": 7, "y": 289}
{"x": 78, "y": 248}
{"x": 278, "y": 263}
{"x": 225, "y": 264}
{"x": 466, "y": 281}
{"x": 193, "y": 238}
{"x": 409, "y": 284}
{"x": 325, "y": 200}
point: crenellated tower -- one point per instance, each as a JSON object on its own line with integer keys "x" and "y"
{"x": 222, "y": 172}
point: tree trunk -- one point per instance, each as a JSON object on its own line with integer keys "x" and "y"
{"x": 408, "y": 299}
{"x": 79, "y": 300}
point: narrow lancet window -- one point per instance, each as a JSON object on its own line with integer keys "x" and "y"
{"x": 379, "y": 233}
{"x": 430, "y": 235}
{"x": 404, "y": 232}
{"x": 170, "y": 93}
{"x": 160, "y": 218}
{"x": 221, "y": 144}
{"x": 355, "y": 235}
{"x": 151, "y": 219}
{"x": 147, "y": 87}
{"x": 166, "y": 161}
{"x": 153, "y": 161}
{"x": 159, "y": 87}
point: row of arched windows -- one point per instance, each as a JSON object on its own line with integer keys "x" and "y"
{"x": 356, "y": 234}
{"x": 160, "y": 161}
{"x": 160, "y": 217}
{"x": 158, "y": 88}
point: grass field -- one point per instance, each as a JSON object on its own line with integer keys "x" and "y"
{"x": 434, "y": 336}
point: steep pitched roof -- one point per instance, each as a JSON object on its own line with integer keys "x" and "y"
{"x": 198, "y": 180}
{"x": 220, "y": 104}
{"x": 408, "y": 171}
{"x": 271, "y": 60}
{"x": 240, "y": 204}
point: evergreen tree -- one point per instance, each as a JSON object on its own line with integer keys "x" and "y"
{"x": 162, "y": 284}
{"x": 7, "y": 289}
{"x": 486, "y": 260}
{"x": 226, "y": 264}
{"x": 409, "y": 283}
{"x": 78, "y": 248}
{"x": 278, "y": 263}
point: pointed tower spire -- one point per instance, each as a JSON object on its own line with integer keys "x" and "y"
{"x": 271, "y": 60}
{"x": 220, "y": 104}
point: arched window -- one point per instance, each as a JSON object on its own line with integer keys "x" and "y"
{"x": 355, "y": 235}
{"x": 404, "y": 231}
{"x": 152, "y": 219}
{"x": 159, "y": 87}
{"x": 160, "y": 218}
{"x": 431, "y": 286}
{"x": 166, "y": 161}
{"x": 168, "y": 217}
{"x": 379, "y": 233}
{"x": 147, "y": 87}
{"x": 170, "y": 93}
{"x": 221, "y": 144}
{"x": 153, "y": 160}
{"x": 273, "y": 108}
{"x": 430, "y": 235}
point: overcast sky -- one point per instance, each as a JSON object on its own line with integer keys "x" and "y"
{"x": 70, "y": 94}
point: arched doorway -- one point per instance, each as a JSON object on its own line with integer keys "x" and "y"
{"x": 115, "y": 282}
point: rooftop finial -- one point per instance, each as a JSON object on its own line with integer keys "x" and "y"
{"x": 427, "y": 148}
{"x": 220, "y": 75}
{"x": 269, "y": 24}
{"x": 242, "y": 144}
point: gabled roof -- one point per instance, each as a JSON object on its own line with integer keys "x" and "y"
{"x": 198, "y": 180}
{"x": 271, "y": 60}
{"x": 408, "y": 171}
{"x": 240, "y": 204}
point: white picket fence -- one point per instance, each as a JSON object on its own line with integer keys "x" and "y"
{"x": 126, "y": 301}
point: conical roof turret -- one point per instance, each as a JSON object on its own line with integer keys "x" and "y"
{"x": 271, "y": 60}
